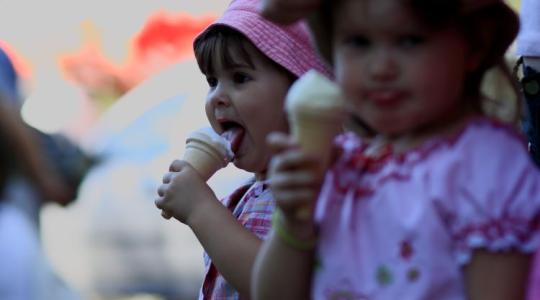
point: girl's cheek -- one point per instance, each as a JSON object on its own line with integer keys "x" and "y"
{"x": 349, "y": 79}
{"x": 349, "y": 82}
{"x": 210, "y": 115}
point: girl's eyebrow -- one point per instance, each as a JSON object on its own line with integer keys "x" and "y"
{"x": 240, "y": 65}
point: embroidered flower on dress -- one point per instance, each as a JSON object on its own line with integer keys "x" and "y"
{"x": 413, "y": 274}
{"x": 383, "y": 275}
{"x": 406, "y": 250}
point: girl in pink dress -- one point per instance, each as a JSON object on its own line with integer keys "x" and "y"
{"x": 443, "y": 201}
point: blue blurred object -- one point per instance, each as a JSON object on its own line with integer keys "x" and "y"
{"x": 8, "y": 79}
{"x": 531, "y": 124}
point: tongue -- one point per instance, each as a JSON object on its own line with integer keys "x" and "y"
{"x": 235, "y": 136}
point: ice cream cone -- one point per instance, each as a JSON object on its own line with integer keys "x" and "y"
{"x": 315, "y": 133}
{"x": 316, "y": 113}
{"x": 206, "y": 152}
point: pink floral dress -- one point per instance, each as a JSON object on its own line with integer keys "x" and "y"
{"x": 402, "y": 226}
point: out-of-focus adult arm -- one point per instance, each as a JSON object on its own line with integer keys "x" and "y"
{"x": 288, "y": 11}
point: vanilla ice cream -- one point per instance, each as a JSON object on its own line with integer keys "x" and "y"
{"x": 207, "y": 152}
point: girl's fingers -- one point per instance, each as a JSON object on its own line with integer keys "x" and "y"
{"x": 279, "y": 142}
{"x": 293, "y": 200}
{"x": 176, "y": 165}
{"x": 159, "y": 202}
{"x": 165, "y": 215}
{"x": 298, "y": 180}
{"x": 287, "y": 11}
{"x": 292, "y": 160}
{"x": 168, "y": 176}
{"x": 162, "y": 189}
{"x": 297, "y": 205}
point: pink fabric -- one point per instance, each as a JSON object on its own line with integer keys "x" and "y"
{"x": 252, "y": 205}
{"x": 289, "y": 46}
{"x": 402, "y": 226}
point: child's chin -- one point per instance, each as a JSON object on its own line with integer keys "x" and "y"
{"x": 246, "y": 165}
{"x": 389, "y": 130}
{"x": 388, "y": 125}
{"x": 240, "y": 163}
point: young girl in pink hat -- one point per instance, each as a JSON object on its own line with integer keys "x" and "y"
{"x": 249, "y": 64}
{"x": 444, "y": 201}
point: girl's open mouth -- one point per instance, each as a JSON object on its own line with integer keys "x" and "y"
{"x": 234, "y": 133}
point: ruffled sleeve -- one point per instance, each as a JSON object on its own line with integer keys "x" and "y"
{"x": 489, "y": 195}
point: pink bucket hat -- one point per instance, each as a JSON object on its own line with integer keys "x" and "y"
{"x": 289, "y": 46}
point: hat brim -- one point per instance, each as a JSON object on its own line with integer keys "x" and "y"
{"x": 282, "y": 44}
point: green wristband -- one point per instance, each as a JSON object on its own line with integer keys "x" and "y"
{"x": 287, "y": 237}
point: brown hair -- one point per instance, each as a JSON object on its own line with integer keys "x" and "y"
{"x": 493, "y": 44}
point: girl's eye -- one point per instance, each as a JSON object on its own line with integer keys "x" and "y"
{"x": 410, "y": 41}
{"x": 357, "y": 41}
{"x": 240, "y": 78}
{"x": 212, "y": 81}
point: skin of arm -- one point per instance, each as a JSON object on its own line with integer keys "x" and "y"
{"x": 25, "y": 151}
{"x": 232, "y": 248}
{"x": 287, "y": 11}
{"x": 496, "y": 276}
{"x": 281, "y": 271}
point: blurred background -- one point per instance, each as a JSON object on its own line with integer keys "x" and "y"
{"x": 119, "y": 80}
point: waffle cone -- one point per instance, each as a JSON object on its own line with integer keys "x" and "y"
{"x": 315, "y": 133}
{"x": 203, "y": 158}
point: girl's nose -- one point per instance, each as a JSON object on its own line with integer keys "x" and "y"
{"x": 219, "y": 96}
{"x": 383, "y": 66}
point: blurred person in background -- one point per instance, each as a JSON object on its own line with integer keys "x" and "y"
{"x": 67, "y": 158}
{"x": 288, "y": 11}
{"x": 27, "y": 181}
{"x": 36, "y": 168}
